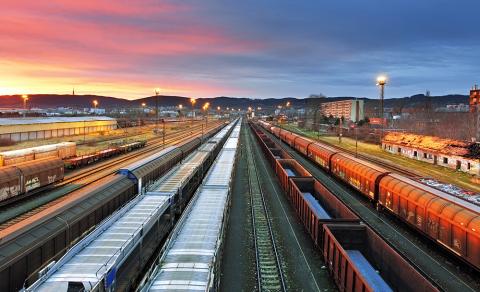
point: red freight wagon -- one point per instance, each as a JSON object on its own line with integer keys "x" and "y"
{"x": 287, "y": 168}
{"x": 9, "y": 182}
{"x": 290, "y": 138}
{"x": 41, "y": 172}
{"x": 276, "y": 131}
{"x": 360, "y": 174}
{"x": 359, "y": 260}
{"x": 321, "y": 154}
{"x": 325, "y": 207}
{"x": 453, "y": 222}
{"x": 301, "y": 145}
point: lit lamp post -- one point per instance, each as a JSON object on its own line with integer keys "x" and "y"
{"x": 25, "y": 99}
{"x": 157, "y": 92}
{"x": 205, "y": 112}
{"x": 180, "y": 107}
{"x": 193, "y": 101}
{"x": 287, "y": 106}
{"x": 95, "y": 104}
{"x": 381, "y": 82}
{"x": 143, "y": 109}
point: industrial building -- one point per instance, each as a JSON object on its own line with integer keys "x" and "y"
{"x": 351, "y": 110}
{"x": 449, "y": 153}
{"x": 24, "y": 129}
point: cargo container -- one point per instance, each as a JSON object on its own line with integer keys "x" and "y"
{"x": 61, "y": 150}
{"x": 360, "y": 260}
{"x": 317, "y": 206}
{"x": 321, "y": 154}
{"x": 290, "y": 138}
{"x": 288, "y": 168}
{"x": 301, "y": 144}
{"x": 453, "y": 222}
{"x": 9, "y": 182}
{"x": 40, "y": 173}
{"x": 361, "y": 175}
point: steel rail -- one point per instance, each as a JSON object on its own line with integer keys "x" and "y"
{"x": 369, "y": 218}
{"x": 270, "y": 275}
{"x": 172, "y": 141}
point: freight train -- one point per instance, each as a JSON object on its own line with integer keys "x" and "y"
{"x": 62, "y": 150}
{"x": 79, "y": 161}
{"x": 350, "y": 248}
{"x": 22, "y": 178}
{"x": 451, "y": 222}
{"x": 25, "y": 250}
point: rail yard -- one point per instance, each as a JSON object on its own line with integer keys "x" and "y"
{"x": 238, "y": 204}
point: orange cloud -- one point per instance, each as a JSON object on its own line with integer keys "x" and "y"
{"x": 105, "y": 47}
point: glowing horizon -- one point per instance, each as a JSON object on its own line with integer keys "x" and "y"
{"x": 242, "y": 48}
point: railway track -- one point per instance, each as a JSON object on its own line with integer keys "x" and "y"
{"x": 432, "y": 264}
{"x": 88, "y": 177}
{"x": 270, "y": 276}
{"x": 380, "y": 162}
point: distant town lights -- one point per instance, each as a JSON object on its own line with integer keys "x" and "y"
{"x": 95, "y": 103}
{"x": 192, "y": 101}
{"x": 180, "y": 106}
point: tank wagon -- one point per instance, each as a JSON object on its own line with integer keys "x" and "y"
{"x": 452, "y": 223}
{"x": 26, "y": 249}
{"x": 373, "y": 265}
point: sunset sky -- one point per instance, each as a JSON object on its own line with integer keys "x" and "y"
{"x": 245, "y": 48}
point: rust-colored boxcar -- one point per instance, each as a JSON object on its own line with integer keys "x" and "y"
{"x": 301, "y": 144}
{"x": 361, "y": 175}
{"x": 359, "y": 260}
{"x": 9, "y": 182}
{"x": 287, "y": 168}
{"x": 321, "y": 154}
{"x": 290, "y": 138}
{"x": 324, "y": 208}
{"x": 39, "y": 173}
{"x": 276, "y": 131}
{"x": 452, "y": 222}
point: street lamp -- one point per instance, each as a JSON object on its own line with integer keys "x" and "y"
{"x": 157, "y": 92}
{"x": 25, "y": 99}
{"x": 205, "y": 107}
{"x": 381, "y": 82}
{"x": 143, "y": 108}
{"x": 193, "y": 101}
{"x": 95, "y": 104}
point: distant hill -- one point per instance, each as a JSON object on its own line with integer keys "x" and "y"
{"x": 83, "y": 101}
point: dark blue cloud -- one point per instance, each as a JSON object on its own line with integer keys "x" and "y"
{"x": 338, "y": 47}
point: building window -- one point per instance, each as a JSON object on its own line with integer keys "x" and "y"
{"x": 468, "y": 165}
{"x": 399, "y": 150}
{"x": 445, "y": 160}
{"x": 424, "y": 155}
{"x": 415, "y": 154}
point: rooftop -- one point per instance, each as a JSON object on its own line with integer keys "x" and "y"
{"x": 432, "y": 143}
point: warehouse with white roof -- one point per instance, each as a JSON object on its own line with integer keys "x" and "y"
{"x": 24, "y": 129}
